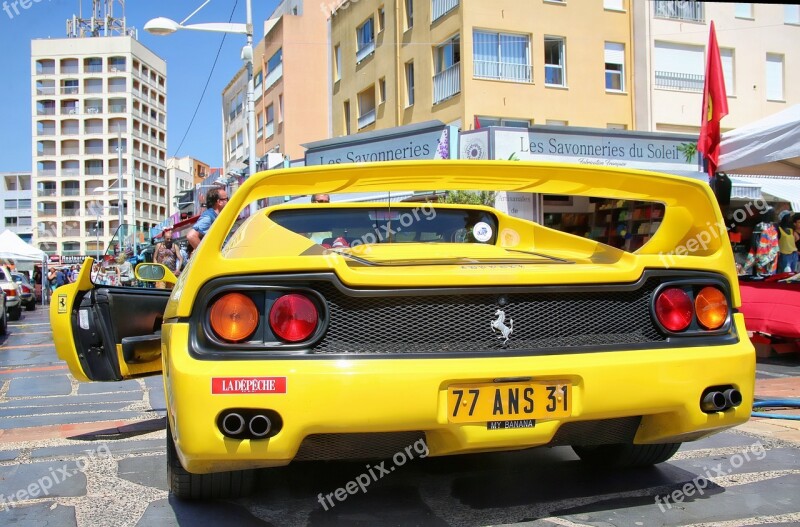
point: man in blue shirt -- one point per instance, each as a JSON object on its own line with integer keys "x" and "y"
{"x": 216, "y": 198}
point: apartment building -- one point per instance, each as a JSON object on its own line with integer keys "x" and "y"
{"x": 290, "y": 77}
{"x": 99, "y": 117}
{"x": 505, "y": 62}
{"x": 758, "y": 43}
{"x": 15, "y": 207}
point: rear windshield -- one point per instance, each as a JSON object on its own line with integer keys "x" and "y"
{"x": 347, "y": 227}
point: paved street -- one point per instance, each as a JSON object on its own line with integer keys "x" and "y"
{"x": 93, "y": 455}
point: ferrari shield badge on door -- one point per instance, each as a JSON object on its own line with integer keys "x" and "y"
{"x": 499, "y": 324}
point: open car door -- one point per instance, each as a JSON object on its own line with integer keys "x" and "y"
{"x": 109, "y": 330}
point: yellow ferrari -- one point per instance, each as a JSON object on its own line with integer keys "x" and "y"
{"x": 353, "y": 330}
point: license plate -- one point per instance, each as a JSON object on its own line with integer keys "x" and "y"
{"x": 479, "y": 403}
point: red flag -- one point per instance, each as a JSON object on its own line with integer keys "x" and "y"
{"x": 477, "y": 124}
{"x": 715, "y": 104}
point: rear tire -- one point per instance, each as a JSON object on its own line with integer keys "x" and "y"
{"x": 626, "y": 455}
{"x": 3, "y": 322}
{"x": 218, "y": 485}
{"x": 15, "y": 313}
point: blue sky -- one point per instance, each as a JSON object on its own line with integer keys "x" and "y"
{"x": 189, "y": 56}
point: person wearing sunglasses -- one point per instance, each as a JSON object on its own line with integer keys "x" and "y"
{"x": 320, "y": 198}
{"x": 216, "y": 198}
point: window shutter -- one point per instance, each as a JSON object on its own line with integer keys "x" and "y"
{"x": 614, "y": 53}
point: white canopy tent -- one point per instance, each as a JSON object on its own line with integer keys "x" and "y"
{"x": 769, "y": 146}
{"x": 12, "y": 247}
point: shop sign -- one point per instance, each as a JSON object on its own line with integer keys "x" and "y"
{"x": 398, "y": 144}
{"x": 73, "y": 259}
{"x": 607, "y": 148}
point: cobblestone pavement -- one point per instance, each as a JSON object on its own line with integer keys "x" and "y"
{"x": 75, "y": 454}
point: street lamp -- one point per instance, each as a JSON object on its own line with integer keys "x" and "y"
{"x": 166, "y": 26}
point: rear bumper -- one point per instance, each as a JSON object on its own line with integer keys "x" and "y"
{"x": 340, "y": 396}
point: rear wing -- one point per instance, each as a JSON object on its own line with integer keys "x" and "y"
{"x": 692, "y": 234}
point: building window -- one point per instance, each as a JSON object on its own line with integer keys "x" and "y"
{"x": 679, "y": 66}
{"x": 447, "y": 69}
{"x": 337, "y": 62}
{"x": 726, "y": 55}
{"x": 280, "y": 108}
{"x": 410, "y": 83}
{"x": 774, "y": 77}
{"x": 258, "y": 78}
{"x": 366, "y": 107}
{"x": 275, "y": 60}
{"x": 381, "y": 19}
{"x": 346, "y": 116}
{"x": 501, "y": 56}
{"x": 744, "y": 10}
{"x": 615, "y": 66}
{"x": 689, "y": 10}
{"x": 613, "y": 5}
{"x": 260, "y": 125}
{"x": 791, "y": 14}
{"x": 270, "y": 128}
{"x": 554, "y": 60}
{"x": 365, "y": 40}
{"x": 439, "y": 8}
{"x": 409, "y": 4}
{"x": 382, "y": 90}
{"x": 502, "y": 121}
{"x": 556, "y": 122}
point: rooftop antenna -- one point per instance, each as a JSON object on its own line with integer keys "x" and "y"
{"x": 102, "y": 23}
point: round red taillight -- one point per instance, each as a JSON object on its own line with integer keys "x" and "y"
{"x": 293, "y": 317}
{"x": 712, "y": 308}
{"x": 234, "y": 317}
{"x": 674, "y": 309}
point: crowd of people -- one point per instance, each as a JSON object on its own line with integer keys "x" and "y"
{"x": 775, "y": 244}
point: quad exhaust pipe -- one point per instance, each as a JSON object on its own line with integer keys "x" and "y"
{"x": 720, "y": 400}
{"x": 249, "y": 423}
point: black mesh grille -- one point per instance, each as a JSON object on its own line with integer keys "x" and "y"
{"x": 462, "y": 323}
{"x": 326, "y": 447}
{"x": 604, "y": 432}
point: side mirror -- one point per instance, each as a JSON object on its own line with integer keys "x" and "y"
{"x": 153, "y": 272}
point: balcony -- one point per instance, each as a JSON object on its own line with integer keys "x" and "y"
{"x": 46, "y": 111}
{"x": 46, "y": 193}
{"x": 365, "y": 50}
{"x": 439, "y": 8}
{"x": 70, "y": 130}
{"x": 94, "y": 109}
{"x": 70, "y": 110}
{"x": 47, "y": 213}
{"x": 367, "y": 119}
{"x": 670, "y": 80}
{"x": 447, "y": 83}
{"x": 93, "y": 171}
{"x": 93, "y": 129}
{"x": 46, "y": 172}
{"x": 70, "y": 151}
{"x": 46, "y": 152}
{"x": 45, "y": 90}
{"x": 117, "y": 108}
{"x": 94, "y": 150}
{"x": 273, "y": 76}
{"x": 71, "y": 192}
{"x": 70, "y": 172}
{"x": 47, "y": 70}
{"x": 69, "y": 90}
{"x": 685, "y": 10}
{"x": 70, "y": 212}
{"x": 46, "y": 131}
{"x": 504, "y": 71}
{"x": 93, "y": 68}
{"x": 71, "y": 231}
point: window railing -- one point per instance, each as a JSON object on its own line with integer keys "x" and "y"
{"x": 71, "y": 151}
{"x": 47, "y": 152}
{"x": 94, "y": 150}
{"x": 46, "y": 111}
{"x": 679, "y": 81}
{"x": 71, "y": 192}
{"x": 71, "y": 212}
{"x": 47, "y": 70}
{"x": 365, "y": 50}
{"x": 69, "y": 69}
{"x": 688, "y": 10}
{"x": 93, "y": 171}
{"x": 69, "y": 90}
{"x": 116, "y": 108}
{"x": 447, "y": 83}
{"x": 366, "y": 119}
{"x": 70, "y": 171}
{"x": 45, "y": 90}
{"x": 506, "y": 71}
{"x": 44, "y": 193}
{"x": 94, "y": 109}
{"x": 273, "y": 76}
{"x": 440, "y": 8}
{"x": 46, "y": 172}
{"x": 47, "y": 131}
{"x": 93, "y": 68}
{"x": 70, "y": 130}
{"x": 93, "y": 129}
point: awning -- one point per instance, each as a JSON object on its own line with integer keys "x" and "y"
{"x": 745, "y": 190}
{"x": 773, "y": 188}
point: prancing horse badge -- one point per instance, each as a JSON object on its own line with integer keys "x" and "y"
{"x": 499, "y": 324}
